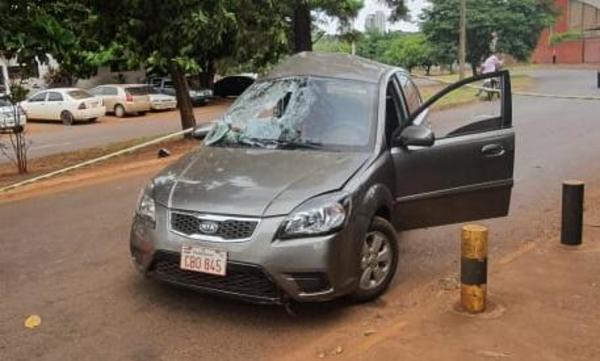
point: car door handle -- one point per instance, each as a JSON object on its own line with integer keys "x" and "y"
{"x": 493, "y": 150}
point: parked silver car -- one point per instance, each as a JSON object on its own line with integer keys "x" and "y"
{"x": 124, "y": 99}
{"x": 12, "y": 115}
{"x": 299, "y": 190}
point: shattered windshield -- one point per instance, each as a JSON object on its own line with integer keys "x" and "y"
{"x": 301, "y": 112}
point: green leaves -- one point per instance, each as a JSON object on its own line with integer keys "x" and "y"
{"x": 516, "y": 24}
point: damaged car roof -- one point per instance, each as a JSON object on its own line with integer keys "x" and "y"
{"x": 331, "y": 65}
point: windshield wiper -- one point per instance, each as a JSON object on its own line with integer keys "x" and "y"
{"x": 258, "y": 142}
{"x": 300, "y": 145}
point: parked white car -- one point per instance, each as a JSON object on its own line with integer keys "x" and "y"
{"x": 11, "y": 116}
{"x": 65, "y": 104}
{"x": 160, "y": 101}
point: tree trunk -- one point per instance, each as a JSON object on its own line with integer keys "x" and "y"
{"x": 474, "y": 69}
{"x": 207, "y": 76}
{"x": 186, "y": 110}
{"x": 302, "y": 27}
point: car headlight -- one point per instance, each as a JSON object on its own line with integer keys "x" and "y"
{"x": 146, "y": 208}
{"x": 318, "y": 216}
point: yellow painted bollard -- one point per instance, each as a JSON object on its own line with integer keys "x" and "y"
{"x": 473, "y": 268}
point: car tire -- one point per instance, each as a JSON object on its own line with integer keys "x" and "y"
{"x": 66, "y": 117}
{"x": 377, "y": 264}
{"x": 119, "y": 111}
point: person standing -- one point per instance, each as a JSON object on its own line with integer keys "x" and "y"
{"x": 491, "y": 64}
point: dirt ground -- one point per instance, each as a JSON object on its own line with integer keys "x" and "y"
{"x": 47, "y": 164}
{"x": 542, "y": 306}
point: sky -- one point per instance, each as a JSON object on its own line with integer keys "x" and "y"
{"x": 414, "y": 6}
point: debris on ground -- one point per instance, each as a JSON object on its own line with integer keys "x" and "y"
{"x": 33, "y": 321}
{"x": 369, "y": 332}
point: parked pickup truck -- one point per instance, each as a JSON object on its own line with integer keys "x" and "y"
{"x": 166, "y": 86}
{"x": 11, "y": 115}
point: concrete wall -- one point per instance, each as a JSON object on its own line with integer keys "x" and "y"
{"x": 105, "y": 76}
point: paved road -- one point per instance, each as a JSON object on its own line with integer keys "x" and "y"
{"x": 65, "y": 256}
{"x": 52, "y": 137}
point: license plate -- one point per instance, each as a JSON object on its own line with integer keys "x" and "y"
{"x": 205, "y": 260}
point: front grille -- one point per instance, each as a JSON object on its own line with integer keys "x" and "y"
{"x": 228, "y": 229}
{"x": 242, "y": 280}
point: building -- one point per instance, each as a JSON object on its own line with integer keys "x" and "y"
{"x": 580, "y": 18}
{"x": 34, "y": 76}
{"x": 376, "y": 22}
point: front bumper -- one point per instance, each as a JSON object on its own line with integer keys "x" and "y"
{"x": 263, "y": 270}
{"x": 199, "y": 100}
{"x": 163, "y": 105}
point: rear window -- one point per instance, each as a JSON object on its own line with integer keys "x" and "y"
{"x": 79, "y": 94}
{"x": 138, "y": 90}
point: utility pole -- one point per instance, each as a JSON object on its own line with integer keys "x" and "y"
{"x": 462, "y": 41}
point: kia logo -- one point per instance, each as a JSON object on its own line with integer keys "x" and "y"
{"x": 209, "y": 227}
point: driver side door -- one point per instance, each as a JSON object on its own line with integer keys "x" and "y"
{"x": 467, "y": 174}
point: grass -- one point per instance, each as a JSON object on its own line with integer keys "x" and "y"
{"x": 466, "y": 95}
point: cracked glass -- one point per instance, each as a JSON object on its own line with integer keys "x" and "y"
{"x": 301, "y": 113}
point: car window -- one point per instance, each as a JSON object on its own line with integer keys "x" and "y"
{"x": 330, "y": 114}
{"x": 96, "y": 91}
{"x": 156, "y": 82}
{"x": 411, "y": 93}
{"x": 110, "y": 90}
{"x": 393, "y": 110}
{"x": 39, "y": 97}
{"x": 168, "y": 84}
{"x": 466, "y": 109}
{"x": 55, "y": 97}
{"x": 137, "y": 90}
{"x": 79, "y": 94}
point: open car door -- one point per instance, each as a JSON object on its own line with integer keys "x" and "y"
{"x": 467, "y": 174}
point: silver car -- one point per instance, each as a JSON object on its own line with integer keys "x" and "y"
{"x": 298, "y": 192}
{"x": 124, "y": 99}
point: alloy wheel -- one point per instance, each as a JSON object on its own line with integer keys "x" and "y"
{"x": 376, "y": 261}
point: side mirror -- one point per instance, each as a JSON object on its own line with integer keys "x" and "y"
{"x": 201, "y": 131}
{"x": 415, "y": 135}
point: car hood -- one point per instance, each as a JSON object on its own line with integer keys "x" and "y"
{"x": 252, "y": 182}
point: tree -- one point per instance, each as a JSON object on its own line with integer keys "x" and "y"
{"x": 166, "y": 35}
{"x": 299, "y": 18}
{"x": 399, "y": 9}
{"x": 517, "y": 25}
{"x": 410, "y": 51}
{"x": 30, "y": 31}
{"x": 374, "y": 45}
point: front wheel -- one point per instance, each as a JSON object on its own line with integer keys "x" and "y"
{"x": 66, "y": 117}
{"x": 119, "y": 111}
{"x": 379, "y": 261}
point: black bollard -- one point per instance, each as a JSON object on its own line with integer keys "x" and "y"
{"x": 598, "y": 79}
{"x": 572, "y": 213}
